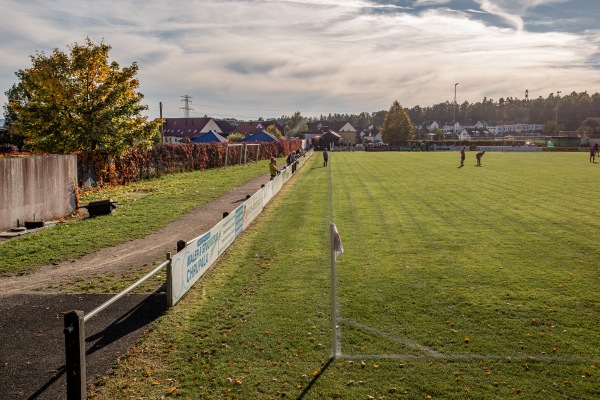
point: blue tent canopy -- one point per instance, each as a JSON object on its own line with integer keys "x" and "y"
{"x": 261, "y": 136}
{"x": 209, "y": 137}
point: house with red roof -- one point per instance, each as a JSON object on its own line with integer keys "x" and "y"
{"x": 184, "y": 130}
{"x": 252, "y": 127}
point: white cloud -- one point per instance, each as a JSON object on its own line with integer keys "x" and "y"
{"x": 316, "y": 56}
{"x": 513, "y": 11}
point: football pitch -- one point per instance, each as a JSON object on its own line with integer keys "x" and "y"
{"x": 475, "y": 282}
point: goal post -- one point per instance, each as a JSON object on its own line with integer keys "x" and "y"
{"x": 248, "y": 151}
{"x": 234, "y": 147}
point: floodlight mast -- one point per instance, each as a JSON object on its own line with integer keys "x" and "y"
{"x": 454, "y": 119}
{"x": 557, "y": 103}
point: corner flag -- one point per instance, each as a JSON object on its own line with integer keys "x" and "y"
{"x": 337, "y": 242}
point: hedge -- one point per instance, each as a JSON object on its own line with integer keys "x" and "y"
{"x": 98, "y": 168}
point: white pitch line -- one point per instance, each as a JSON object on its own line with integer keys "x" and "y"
{"x": 429, "y": 351}
{"x": 432, "y": 354}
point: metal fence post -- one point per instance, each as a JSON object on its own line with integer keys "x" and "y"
{"x": 75, "y": 353}
{"x": 169, "y": 281}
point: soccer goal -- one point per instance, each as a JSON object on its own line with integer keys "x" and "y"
{"x": 235, "y": 153}
{"x": 251, "y": 152}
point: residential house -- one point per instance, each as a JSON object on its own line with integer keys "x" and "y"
{"x": 370, "y": 135}
{"x": 429, "y": 126}
{"x": 252, "y": 127}
{"x": 330, "y": 139}
{"x": 502, "y": 130}
{"x": 343, "y": 128}
{"x": 473, "y": 133}
{"x": 450, "y": 128}
{"x": 184, "y": 130}
{"x": 226, "y": 127}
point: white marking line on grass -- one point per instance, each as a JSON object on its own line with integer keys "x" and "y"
{"x": 470, "y": 357}
{"x": 432, "y": 354}
{"x": 429, "y": 351}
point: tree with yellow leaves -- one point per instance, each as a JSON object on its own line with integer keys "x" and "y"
{"x": 272, "y": 129}
{"x": 397, "y": 126}
{"x": 78, "y": 101}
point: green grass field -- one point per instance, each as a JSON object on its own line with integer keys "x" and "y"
{"x": 456, "y": 283}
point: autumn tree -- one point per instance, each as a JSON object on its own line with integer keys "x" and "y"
{"x": 397, "y": 127}
{"x": 235, "y": 137}
{"x": 272, "y": 129}
{"x": 78, "y": 101}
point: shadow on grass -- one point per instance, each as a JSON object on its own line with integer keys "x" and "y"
{"x": 315, "y": 379}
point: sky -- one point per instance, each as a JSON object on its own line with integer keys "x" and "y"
{"x": 247, "y": 59}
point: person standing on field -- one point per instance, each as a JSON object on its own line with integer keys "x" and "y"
{"x": 478, "y": 157}
{"x": 592, "y": 154}
{"x": 462, "y": 157}
{"x": 325, "y": 157}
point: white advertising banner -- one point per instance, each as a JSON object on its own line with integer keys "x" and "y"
{"x": 192, "y": 262}
{"x": 267, "y": 193}
{"x": 276, "y": 183}
{"x": 231, "y": 226}
{"x": 252, "y": 207}
{"x": 286, "y": 174}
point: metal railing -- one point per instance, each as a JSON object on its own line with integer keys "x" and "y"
{"x": 74, "y": 330}
{"x": 74, "y": 327}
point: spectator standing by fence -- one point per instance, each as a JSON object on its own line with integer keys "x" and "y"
{"x": 273, "y": 168}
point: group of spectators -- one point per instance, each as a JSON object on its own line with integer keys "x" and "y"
{"x": 291, "y": 160}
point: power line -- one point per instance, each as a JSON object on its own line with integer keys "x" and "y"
{"x": 271, "y": 110}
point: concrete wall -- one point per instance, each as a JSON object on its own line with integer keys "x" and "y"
{"x": 41, "y": 186}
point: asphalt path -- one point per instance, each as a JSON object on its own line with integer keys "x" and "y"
{"x": 32, "y": 355}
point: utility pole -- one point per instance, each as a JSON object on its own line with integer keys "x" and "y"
{"x": 162, "y": 124}
{"x": 186, "y": 108}
{"x": 526, "y": 106}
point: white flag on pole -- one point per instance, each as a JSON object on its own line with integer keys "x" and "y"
{"x": 337, "y": 242}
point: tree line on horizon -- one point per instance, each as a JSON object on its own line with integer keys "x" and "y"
{"x": 576, "y": 112}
